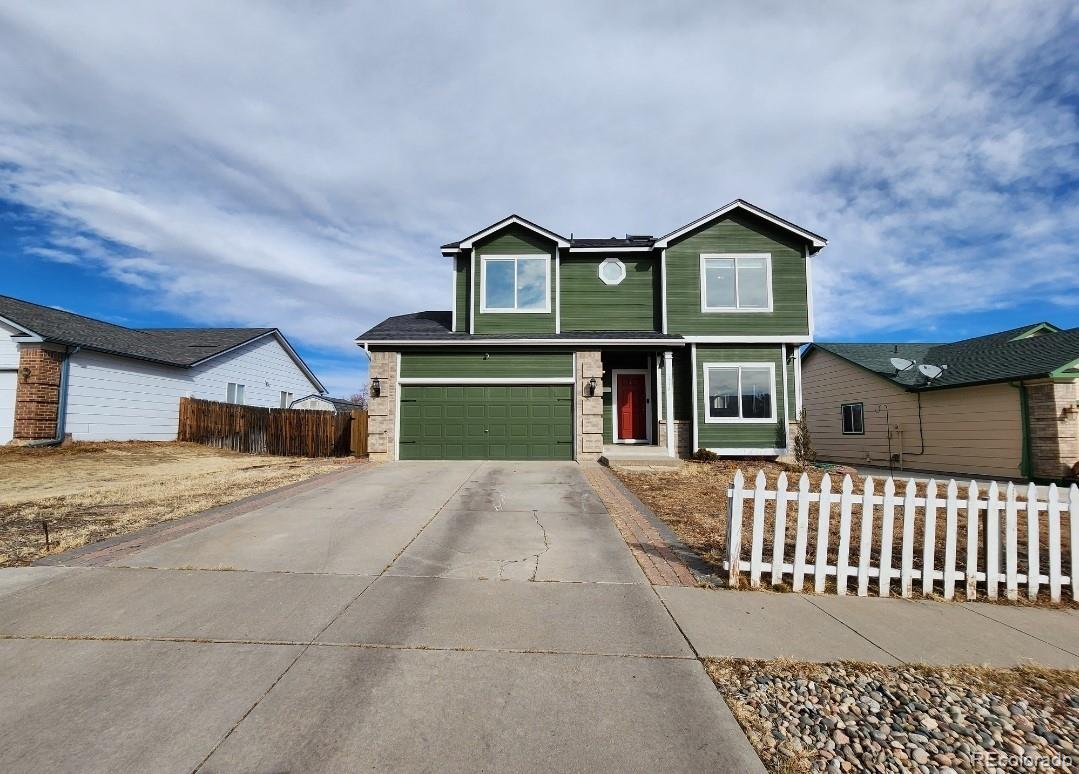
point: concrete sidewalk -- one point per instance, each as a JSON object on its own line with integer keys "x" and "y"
{"x": 765, "y": 625}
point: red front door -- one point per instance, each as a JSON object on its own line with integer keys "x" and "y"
{"x": 630, "y": 406}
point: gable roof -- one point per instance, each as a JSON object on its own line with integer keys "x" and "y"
{"x": 179, "y": 347}
{"x": 511, "y": 220}
{"x": 816, "y": 241}
{"x": 996, "y": 357}
{"x": 339, "y": 404}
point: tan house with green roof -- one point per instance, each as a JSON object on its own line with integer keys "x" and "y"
{"x": 1005, "y": 405}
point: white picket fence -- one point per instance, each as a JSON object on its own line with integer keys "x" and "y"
{"x": 991, "y": 545}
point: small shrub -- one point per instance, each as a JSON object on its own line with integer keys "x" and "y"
{"x": 804, "y": 453}
{"x": 704, "y": 455}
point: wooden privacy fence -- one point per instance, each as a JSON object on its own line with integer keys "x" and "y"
{"x": 258, "y": 430}
{"x": 936, "y": 539}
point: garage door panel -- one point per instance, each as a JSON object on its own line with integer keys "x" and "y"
{"x": 528, "y": 422}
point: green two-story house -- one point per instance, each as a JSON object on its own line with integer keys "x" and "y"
{"x": 559, "y": 348}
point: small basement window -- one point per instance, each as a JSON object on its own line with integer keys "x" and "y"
{"x": 234, "y": 393}
{"x": 612, "y": 271}
{"x": 853, "y": 419}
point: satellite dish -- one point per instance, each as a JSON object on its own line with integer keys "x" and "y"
{"x": 930, "y": 371}
{"x": 899, "y": 364}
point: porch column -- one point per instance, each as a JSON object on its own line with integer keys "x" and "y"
{"x": 668, "y": 398}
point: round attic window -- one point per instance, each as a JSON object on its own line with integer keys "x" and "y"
{"x": 612, "y": 271}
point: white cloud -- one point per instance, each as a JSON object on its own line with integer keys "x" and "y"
{"x": 298, "y": 165}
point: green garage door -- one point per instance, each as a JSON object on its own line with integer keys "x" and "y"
{"x": 487, "y": 422}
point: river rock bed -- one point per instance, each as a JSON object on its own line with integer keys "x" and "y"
{"x": 846, "y": 717}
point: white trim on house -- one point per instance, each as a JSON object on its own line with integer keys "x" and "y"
{"x": 397, "y": 413}
{"x": 786, "y": 392}
{"x": 453, "y": 296}
{"x": 479, "y": 342}
{"x": 693, "y": 381}
{"x": 809, "y": 290}
{"x": 745, "y": 339}
{"x": 611, "y": 262}
{"x": 472, "y": 293}
{"x": 576, "y": 400}
{"x": 663, "y": 288}
{"x": 546, "y": 258}
{"x": 740, "y": 420}
{"x": 747, "y": 452}
{"x": 610, "y": 249}
{"x": 27, "y": 336}
{"x": 798, "y": 383}
{"x": 736, "y": 309}
{"x": 557, "y": 292}
{"x": 615, "y": 373}
{"x": 465, "y": 244}
{"x": 668, "y": 387}
{"x": 413, "y": 380}
{"x": 815, "y": 239}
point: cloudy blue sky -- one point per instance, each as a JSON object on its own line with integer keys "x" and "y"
{"x": 298, "y": 164}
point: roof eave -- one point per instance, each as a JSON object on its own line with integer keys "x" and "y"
{"x": 468, "y": 242}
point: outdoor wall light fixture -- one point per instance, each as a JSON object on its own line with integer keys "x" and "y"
{"x": 592, "y": 387}
{"x": 25, "y": 371}
{"x": 376, "y": 388}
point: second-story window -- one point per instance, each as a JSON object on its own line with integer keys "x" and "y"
{"x": 736, "y": 282}
{"x": 516, "y": 283}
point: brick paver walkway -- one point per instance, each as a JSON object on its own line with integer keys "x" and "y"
{"x": 660, "y": 564}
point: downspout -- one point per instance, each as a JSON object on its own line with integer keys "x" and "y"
{"x": 61, "y": 406}
{"x": 1024, "y": 430}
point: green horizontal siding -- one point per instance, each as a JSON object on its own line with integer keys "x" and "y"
{"x": 589, "y": 304}
{"x": 792, "y": 367}
{"x": 487, "y": 422}
{"x": 478, "y": 364}
{"x": 512, "y": 240}
{"x": 460, "y": 289}
{"x": 682, "y": 383}
{"x": 767, "y": 435}
{"x": 737, "y": 234}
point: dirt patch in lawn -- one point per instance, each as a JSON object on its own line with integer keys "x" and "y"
{"x": 803, "y": 717}
{"x": 693, "y": 501}
{"x": 90, "y": 491}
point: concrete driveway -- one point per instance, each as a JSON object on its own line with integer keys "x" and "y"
{"x": 447, "y": 616}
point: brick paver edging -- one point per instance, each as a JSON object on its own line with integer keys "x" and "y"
{"x": 650, "y": 547}
{"x": 106, "y": 551}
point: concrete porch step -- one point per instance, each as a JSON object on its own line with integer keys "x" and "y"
{"x": 627, "y": 456}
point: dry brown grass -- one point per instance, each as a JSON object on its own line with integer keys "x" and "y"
{"x": 693, "y": 501}
{"x": 90, "y": 491}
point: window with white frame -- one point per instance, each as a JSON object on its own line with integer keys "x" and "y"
{"x": 234, "y": 393}
{"x": 286, "y": 399}
{"x": 516, "y": 283}
{"x": 736, "y": 282}
{"x": 853, "y": 419}
{"x": 739, "y": 392}
{"x": 612, "y": 271}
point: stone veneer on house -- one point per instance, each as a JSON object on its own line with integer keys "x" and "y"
{"x": 589, "y": 409}
{"x": 382, "y": 411}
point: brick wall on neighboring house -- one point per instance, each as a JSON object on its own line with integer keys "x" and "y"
{"x": 589, "y": 410}
{"x": 37, "y": 393}
{"x": 1053, "y": 425}
{"x": 382, "y": 411}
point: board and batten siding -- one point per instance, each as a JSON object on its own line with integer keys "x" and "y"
{"x": 741, "y": 435}
{"x": 479, "y": 364}
{"x": 589, "y": 304}
{"x": 737, "y": 233}
{"x": 513, "y": 240}
{"x": 973, "y": 431}
{"x": 113, "y": 398}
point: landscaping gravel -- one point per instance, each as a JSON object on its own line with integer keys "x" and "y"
{"x": 865, "y": 717}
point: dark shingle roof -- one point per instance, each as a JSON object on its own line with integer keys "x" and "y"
{"x": 628, "y": 241}
{"x": 171, "y": 346}
{"x": 997, "y": 357}
{"x": 435, "y": 326}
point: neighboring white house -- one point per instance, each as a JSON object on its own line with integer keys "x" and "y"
{"x": 62, "y": 374}
{"x": 325, "y": 403}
